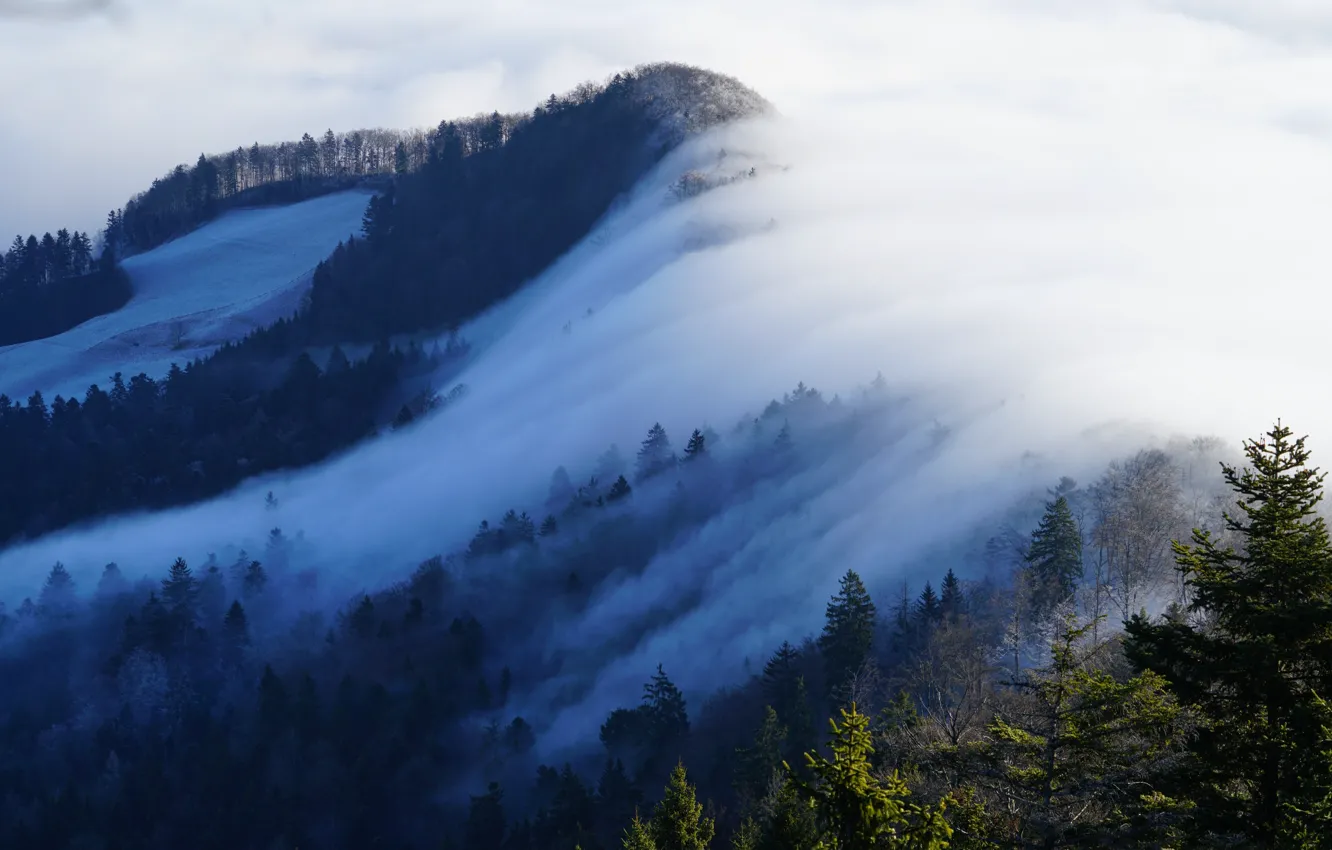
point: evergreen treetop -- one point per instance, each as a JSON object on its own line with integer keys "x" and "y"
{"x": 677, "y": 821}
{"x": 1254, "y": 656}
{"x": 1054, "y": 560}
{"x": 848, "y": 631}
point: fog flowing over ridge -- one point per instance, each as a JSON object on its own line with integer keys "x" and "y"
{"x": 1053, "y": 262}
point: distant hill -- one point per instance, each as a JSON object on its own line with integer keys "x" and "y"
{"x": 498, "y": 199}
{"x": 486, "y": 205}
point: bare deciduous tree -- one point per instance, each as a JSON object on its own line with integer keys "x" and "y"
{"x": 1137, "y": 513}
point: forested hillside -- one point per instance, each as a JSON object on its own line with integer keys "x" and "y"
{"x": 1006, "y": 709}
{"x": 499, "y": 199}
{"x": 51, "y": 284}
{"x": 477, "y": 208}
{"x": 282, "y": 173}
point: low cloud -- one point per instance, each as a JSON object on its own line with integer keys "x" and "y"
{"x": 1061, "y": 232}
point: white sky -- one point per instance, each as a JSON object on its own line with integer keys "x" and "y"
{"x": 97, "y": 105}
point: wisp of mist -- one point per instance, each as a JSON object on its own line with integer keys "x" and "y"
{"x": 1059, "y": 232}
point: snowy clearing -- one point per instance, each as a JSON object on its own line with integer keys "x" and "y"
{"x": 191, "y": 295}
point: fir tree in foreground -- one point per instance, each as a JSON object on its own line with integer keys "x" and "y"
{"x": 857, "y": 811}
{"x": 1254, "y": 655}
{"x": 1071, "y": 761}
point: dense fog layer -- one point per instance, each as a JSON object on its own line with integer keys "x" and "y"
{"x": 1058, "y": 236}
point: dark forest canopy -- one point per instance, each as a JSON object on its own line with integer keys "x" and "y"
{"x": 283, "y": 173}
{"x": 51, "y": 284}
{"x": 206, "y": 707}
{"x": 477, "y": 207}
{"x": 201, "y": 430}
{"x": 674, "y": 98}
{"x": 497, "y": 200}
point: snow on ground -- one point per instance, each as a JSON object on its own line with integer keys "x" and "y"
{"x": 191, "y": 295}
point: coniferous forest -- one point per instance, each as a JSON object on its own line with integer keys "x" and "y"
{"x": 1138, "y": 661}
{"x": 475, "y": 208}
{"x": 1032, "y": 704}
{"x": 51, "y": 284}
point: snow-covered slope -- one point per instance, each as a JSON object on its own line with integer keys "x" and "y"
{"x": 216, "y": 284}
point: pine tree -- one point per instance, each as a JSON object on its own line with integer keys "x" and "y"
{"x": 112, "y": 581}
{"x": 848, "y": 633}
{"x": 951, "y": 603}
{"x": 1254, "y": 657}
{"x": 619, "y": 490}
{"x": 179, "y": 589}
{"x": 779, "y": 678}
{"x": 617, "y": 795}
{"x": 655, "y": 455}
{"x": 1073, "y": 760}
{"x": 1054, "y": 560}
{"x": 790, "y": 823}
{"x": 747, "y": 836}
{"x": 929, "y": 611}
{"x": 677, "y": 821}
{"x": 637, "y": 837}
{"x": 697, "y": 446}
{"x": 255, "y": 580}
{"x": 855, "y": 810}
{"x": 759, "y": 763}
{"x": 665, "y": 707}
{"x": 235, "y": 633}
{"x": 58, "y": 597}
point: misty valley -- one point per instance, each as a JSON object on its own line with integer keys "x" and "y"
{"x": 653, "y": 470}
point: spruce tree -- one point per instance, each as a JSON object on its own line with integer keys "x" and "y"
{"x": 57, "y": 598}
{"x": 951, "y": 603}
{"x": 747, "y": 836}
{"x": 655, "y": 455}
{"x": 637, "y": 837}
{"x": 1074, "y": 757}
{"x": 848, "y": 633}
{"x": 1254, "y": 657}
{"x": 619, "y": 490}
{"x": 790, "y": 822}
{"x": 665, "y": 708}
{"x": 1054, "y": 560}
{"x": 255, "y": 580}
{"x": 759, "y": 763}
{"x": 112, "y": 580}
{"x": 857, "y": 811}
{"x": 697, "y": 446}
{"x": 677, "y": 821}
{"x": 618, "y": 796}
{"x": 179, "y": 589}
{"x": 235, "y": 633}
{"x": 929, "y": 610}
{"x": 779, "y": 681}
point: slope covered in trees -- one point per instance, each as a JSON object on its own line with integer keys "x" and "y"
{"x": 498, "y": 199}
{"x": 145, "y": 443}
{"x": 1000, "y": 711}
{"x": 51, "y": 284}
{"x": 282, "y": 173}
{"x": 493, "y": 202}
